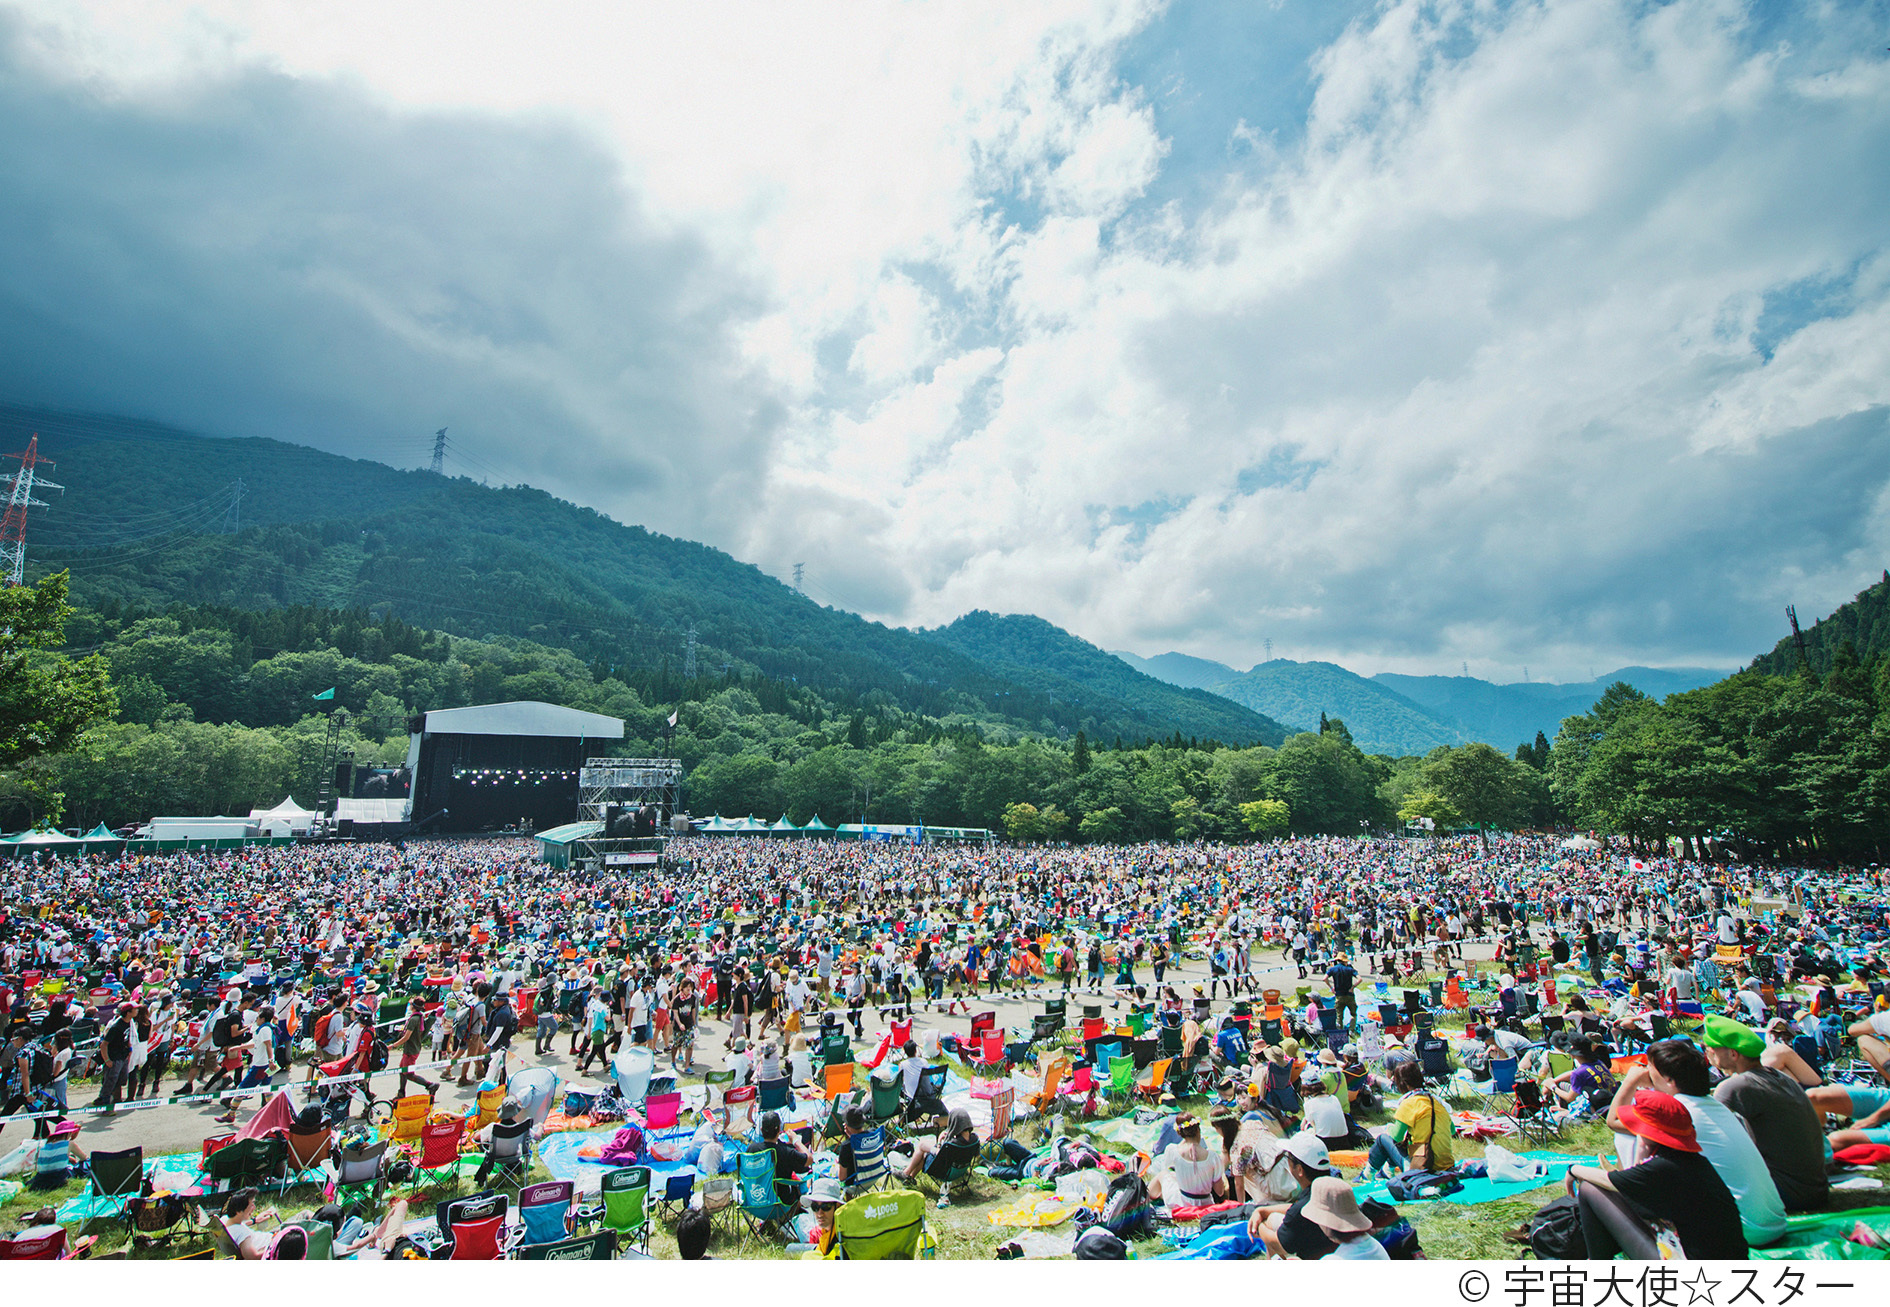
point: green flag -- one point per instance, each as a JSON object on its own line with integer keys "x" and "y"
{"x": 329, "y": 693}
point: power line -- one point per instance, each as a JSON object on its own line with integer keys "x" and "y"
{"x": 439, "y": 452}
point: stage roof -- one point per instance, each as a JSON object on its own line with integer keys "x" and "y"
{"x": 525, "y": 717}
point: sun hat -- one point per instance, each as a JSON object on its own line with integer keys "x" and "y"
{"x": 1276, "y": 1054}
{"x": 1332, "y": 1206}
{"x": 1310, "y": 1150}
{"x": 825, "y": 1190}
{"x": 1724, "y": 1032}
{"x": 64, "y": 1129}
{"x": 1661, "y": 1118}
{"x": 1328, "y": 1058}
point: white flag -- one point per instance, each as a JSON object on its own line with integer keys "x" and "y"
{"x": 674, "y": 715}
{"x": 1635, "y": 864}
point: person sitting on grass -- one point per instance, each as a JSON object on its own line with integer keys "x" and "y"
{"x": 239, "y": 1219}
{"x": 1672, "y": 1182}
{"x": 62, "y": 1158}
{"x": 1282, "y": 1227}
{"x": 1188, "y": 1173}
{"x": 1777, "y": 1110}
{"x": 1675, "y": 1066}
{"x": 790, "y": 1160}
{"x": 1419, "y": 1123}
{"x": 1333, "y": 1207}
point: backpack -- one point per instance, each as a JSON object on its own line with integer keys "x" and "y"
{"x": 1126, "y": 1211}
{"x": 1415, "y": 1184}
{"x": 1097, "y": 1244}
{"x": 1555, "y": 1232}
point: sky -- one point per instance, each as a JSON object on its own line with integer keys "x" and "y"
{"x": 1404, "y": 335}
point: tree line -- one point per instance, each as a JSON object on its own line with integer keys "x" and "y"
{"x": 120, "y": 714}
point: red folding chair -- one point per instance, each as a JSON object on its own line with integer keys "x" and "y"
{"x": 982, "y": 1022}
{"x": 902, "y": 1033}
{"x": 661, "y": 1111}
{"x": 439, "y": 1147}
{"x": 39, "y": 1248}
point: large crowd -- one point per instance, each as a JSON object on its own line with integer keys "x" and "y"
{"x": 1725, "y": 1021}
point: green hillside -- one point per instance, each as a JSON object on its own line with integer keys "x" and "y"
{"x": 1181, "y": 669}
{"x": 1508, "y": 715}
{"x": 1379, "y": 719}
{"x": 1055, "y": 664}
{"x": 1863, "y": 624}
{"x": 146, "y": 522}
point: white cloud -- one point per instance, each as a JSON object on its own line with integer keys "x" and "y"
{"x": 1497, "y": 356}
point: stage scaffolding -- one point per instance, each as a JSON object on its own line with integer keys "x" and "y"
{"x": 607, "y": 783}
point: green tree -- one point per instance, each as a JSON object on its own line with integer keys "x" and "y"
{"x": 1079, "y": 755}
{"x": 1266, "y": 817}
{"x": 1429, "y": 803}
{"x": 1101, "y": 825}
{"x": 46, "y": 698}
{"x": 1023, "y": 821}
{"x": 1480, "y": 783}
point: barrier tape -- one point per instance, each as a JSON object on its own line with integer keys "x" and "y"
{"x": 254, "y": 1091}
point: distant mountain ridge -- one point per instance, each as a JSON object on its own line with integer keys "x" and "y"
{"x": 1398, "y": 714}
{"x": 148, "y": 519}
{"x": 1050, "y": 660}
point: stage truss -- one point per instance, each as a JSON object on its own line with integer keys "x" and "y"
{"x": 632, "y": 783}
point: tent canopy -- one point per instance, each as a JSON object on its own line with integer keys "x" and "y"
{"x": 817, "y": 824}
{"x": 785, "y": 826}
{"x": 43, "y": 838}
{"x": 100, "y": 834}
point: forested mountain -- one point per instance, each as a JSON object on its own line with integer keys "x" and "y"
{"x": 1181, "y": 669}
{"x": 148, "y": 520}
{"x": 1863, "y": 624}
{"x": 1055, "y": 663}
{"x": 1379, "y": 719}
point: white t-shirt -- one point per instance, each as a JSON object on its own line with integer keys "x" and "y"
{"x": 1362, "y": 1249}
{"x": 262, "y": 1048}
{"x": 1325, "y": 1116}
{"x": 1725, "y": 1143}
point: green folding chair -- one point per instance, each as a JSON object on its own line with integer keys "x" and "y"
{"x": 599, "y": 1247}
{"x": 884, "y": 1227}
{"x": 626, "y": 1209}
{"x": 1122, "y": 1079}
{"x": 835, "y": 1048}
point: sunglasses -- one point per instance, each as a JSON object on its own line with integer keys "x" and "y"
{"x": 825, "y": 1207}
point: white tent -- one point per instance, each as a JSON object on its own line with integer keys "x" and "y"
{"x": 286, "y": 818}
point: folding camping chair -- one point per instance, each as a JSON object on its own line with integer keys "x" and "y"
{"x": 773, "y": 1095}
{"x": 625, "y": 1210}
{"x": 834, "y": 1046}
{"x": 544, "y": 1212}
{"x": 1501, "y": 1094}
{"x": 679, "y": 1187}
{"x": 988, "y": 1053}
{"x": 740, "y": 1106}
{"x": 472, "y": 1229}
{"x": 40, "y": 1248}
{"x": 599, "y": 1247}
{"x": 884, "y": 1227}
{"x": 509, "y": 1153}
{"x": 869, "y": 1161}
{"x": 439, "y": 1150}
{"x": 1433, "y": 1057}
{"x": 759, "y": 1203}
{"x": 360, "y": 1168}
{"x": 836, "y": 1080}
{"x": 949, "y": 1164}
{"x": 410, "y": 1118}
{"x": 1045, "y": 1095}
{"x": 931, "y": 1090}
{"x": 980, "y": 1023}
{"x": 309, "y": 1150}
{"x": 716, "y": 1084}
{"x": 246, "y": 1162}
{"x": 489, "y": 1101}
{"x": 661, "y": 1111}
{"x": 1002, "y": 1103}
{"x": 1535, "y": 1124}
{"x": 888, "y": 1098}
{"x": 1157, "y": 1083}
{"x": 115, "y": 1177}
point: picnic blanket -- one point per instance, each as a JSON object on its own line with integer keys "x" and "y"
{"x": 1827, "y": 1237}
{"x": 1482, "y": 1189}
{"x": 560, "y": 1155}
{"x": 1229, "y": 1242}
{"x": 1137, "y": 1136}
{"x": 175, "y": 1172}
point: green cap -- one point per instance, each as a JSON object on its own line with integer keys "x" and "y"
{"x": 1724, "y": 1032}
